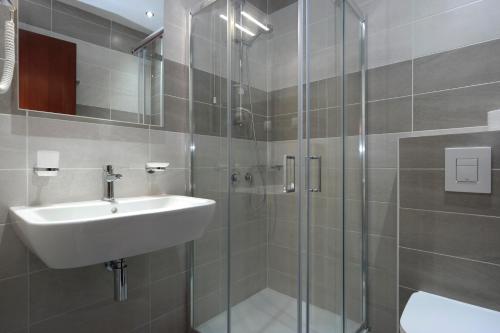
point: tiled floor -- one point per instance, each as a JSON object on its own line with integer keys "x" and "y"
{"x": 271, "y": 312}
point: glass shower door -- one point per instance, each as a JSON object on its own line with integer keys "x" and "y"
{"x": 278, "y": 141}
{"x": 333, "y": 212}
{"x": 323, "y": 152}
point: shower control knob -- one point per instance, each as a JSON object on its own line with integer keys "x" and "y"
{"x": 249, "y": 178}
{"x": 235, "y": 177}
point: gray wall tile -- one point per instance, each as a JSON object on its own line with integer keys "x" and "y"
{"x": 382, "y": 252}
{"x": 283, "y": 260}
{"x": 389, "y": 116}
{"x": 93, "y": 111}
{"x": 383, "y": 218}
{"x": 282, "y": 282}
{"x": 248, "y": 286}
{"x": 437, "y": 253}
{"x": 80, "y": 14}
{"x": 248, "y": 235}
{"x": 81, "y": 29}
{"x": 174, "y": 321}
{"x": 276, "y": 5}
{"x": 319, "y": 94}
{"x": 46, "y": 3}
{"x": 14, "y": 304}
{"x": 450, "y": 277}
{"x": 12, "y": 142}
{"x": 168, "y": 294}
{"x": 130, "y": 117}
{"x": 123, "y": 42}
{"x": 203, "y": 86}
{"x": 382, "y": 185}
{"x": 54, "y": 292}
{"x": 424, "y": 189}
{"x": 352, "y": 84}
{"x": 284, "y": 127}
{"x": 13, "y": 253}
{"x": 102, "y": 317}
{"x": 248, "y": 262}
{"x": 12, "y": 192}
{"x": 389, "y": 81}
{"x": 176, "y": 114}
{"x": 428, "y": 151}
{"x": 57, "y": 291}
{"x": 208, "y": 278}
{"x": 466, "y": 66}
{"x": 210, "y": 246}
{"x": 384, "y": 294}
{"x": 319, "y": 125}
{"x": 35, "y": 14}
{"x": 176, "y": 79}
{"x": 382, "y": 150}
{"x": 207, "y": 307}
{"x": 450, "y": 234}
{"x": 260, "y": 4}
{"x": 283, "y": 101}
{"x": 382, "y": 319}
{"x": 463, "y": 107}
{"x": 79, "y": 184}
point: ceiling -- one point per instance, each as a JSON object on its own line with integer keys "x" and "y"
{"x": 127, "y": 12}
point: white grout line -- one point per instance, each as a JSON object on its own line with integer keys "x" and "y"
{"x": 451, "y": 213}
{"x": 392, "y": 98}
{"x": 458, "y": 88}
{"x": 450, "y": 256}
{"x": 405, "y": 287}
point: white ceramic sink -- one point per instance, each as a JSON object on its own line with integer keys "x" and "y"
{"x": 90, "y": 232}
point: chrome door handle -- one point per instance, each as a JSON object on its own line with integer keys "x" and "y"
{"x": 288, "y": 186}
{"x": 318, "y": 187}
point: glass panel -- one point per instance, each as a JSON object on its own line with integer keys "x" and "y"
{"x": 325, "y": 163}
{"x": 353, "y": 174}
{"x": 263, "y": 222}
{"x": 209, "y": 164}
{"x": 150, "y": 85}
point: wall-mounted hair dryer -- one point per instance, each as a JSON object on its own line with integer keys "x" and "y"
{"x": 9, "y": 50}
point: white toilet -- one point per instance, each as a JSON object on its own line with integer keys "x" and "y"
{"x": 428, "y": 313}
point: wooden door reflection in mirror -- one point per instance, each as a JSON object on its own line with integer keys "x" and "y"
{"x": 47, "y": 73}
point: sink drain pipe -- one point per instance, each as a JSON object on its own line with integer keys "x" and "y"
{"x": 119, "y": 269}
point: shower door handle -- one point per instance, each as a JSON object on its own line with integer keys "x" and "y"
{"x": 288, "y": 185}
{"x": 318, "y": 159}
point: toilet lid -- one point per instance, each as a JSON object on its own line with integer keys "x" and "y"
{"x": 425, "y": 313}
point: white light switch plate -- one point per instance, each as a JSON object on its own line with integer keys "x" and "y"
{"x": 468, "y": 169}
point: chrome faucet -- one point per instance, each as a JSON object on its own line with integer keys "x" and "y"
{"x": 109, "y": 183}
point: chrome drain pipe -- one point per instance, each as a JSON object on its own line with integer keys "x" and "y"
{"x": 119, "y": 269}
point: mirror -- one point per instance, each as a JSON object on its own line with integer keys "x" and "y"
{"x": 92, "y": 58}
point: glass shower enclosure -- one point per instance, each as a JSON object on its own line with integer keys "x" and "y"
{"x": 150, "y": 79}
{"x": 277, "y": 121}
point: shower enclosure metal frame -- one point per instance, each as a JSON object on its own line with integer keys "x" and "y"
{"x": 303, "y": 105}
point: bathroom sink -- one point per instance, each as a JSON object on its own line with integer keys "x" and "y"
{"x": 90, "y": 232}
